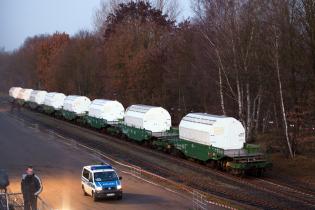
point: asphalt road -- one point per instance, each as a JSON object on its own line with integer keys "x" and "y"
{"x": 59, "y": 166}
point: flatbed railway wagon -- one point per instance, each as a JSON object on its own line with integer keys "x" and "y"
{"x": 219, "y": 142}
{"x": 53, "y": 102}
{"x": 14, "y": 92}
{"x": 104, "y": 113}
{"x": 75, "y": 107}
{"x": 142, "y": 122}
{"x": 37, "y": 98}
{"x": 24, "y": 96}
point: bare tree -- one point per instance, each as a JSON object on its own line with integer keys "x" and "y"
{"x": 307, "y": 11}
{"x": 232, "y": 45}
{"x": 101, "y": 14}
{"x": 277, "y": 67}
{"x": 169, "y": 7}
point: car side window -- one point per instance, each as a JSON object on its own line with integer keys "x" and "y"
{"x": 90, "y": 177}
{"x": 86, "y": 173}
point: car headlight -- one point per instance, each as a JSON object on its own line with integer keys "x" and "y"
{"x": 118, "y": 187}
{"x": 99, "y": 188}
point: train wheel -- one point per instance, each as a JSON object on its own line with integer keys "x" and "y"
{"x": 124, "y": 137}
{"x": 173, "y": 152}
{"x": 212, "y": 164}
{"x": 149, "y": 144}
{"x": 179, "y": 154}
{"x": 242, "y": 173}
{"x": 259, "y": 172}
{"x": 103, "y": 130}
{"x": 222, "y": 165}
{"x": 237, "y": 172}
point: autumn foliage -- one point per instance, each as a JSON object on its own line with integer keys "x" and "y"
{"x": 47, "y": 50}
{"x": 250, "y": 59}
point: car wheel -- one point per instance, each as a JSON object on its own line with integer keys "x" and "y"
{"x": 84, "y": 193}
{"x": 94, "y": 197}
{"x": 119, "y": 197}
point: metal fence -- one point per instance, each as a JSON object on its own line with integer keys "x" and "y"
{"x": 199, "y": 201}
{"x": 14, "y": 201}
{"x": 10, "y": 201}
{"x": 4, "y": 204}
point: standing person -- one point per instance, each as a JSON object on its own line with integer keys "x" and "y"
{"x": 13, "y": 106}
{"x": 31, "y": 186}
{"x": 4, "y": 180}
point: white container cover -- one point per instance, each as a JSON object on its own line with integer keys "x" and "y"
{"x": 76, "y": 104}
{"x": 14, "y": 92}
{"x": 54, "y": 100}
{"x": 25, "y": 94}
{"x": 151, "y": 118}
{"x": 38, "y": 96}
{"x": 218, "y": 131}
{"x": 108, "y": 110}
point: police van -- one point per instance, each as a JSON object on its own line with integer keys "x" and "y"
{"x": 101, "y": 181}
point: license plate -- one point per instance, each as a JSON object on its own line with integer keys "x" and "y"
{"x": 110, "y": 194}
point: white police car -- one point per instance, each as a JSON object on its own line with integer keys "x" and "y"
{"x": 101, "y": 181}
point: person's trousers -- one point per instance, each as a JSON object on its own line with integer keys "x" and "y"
{"x": 30, "y": 203}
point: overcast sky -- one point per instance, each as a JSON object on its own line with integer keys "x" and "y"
{"x": 20, "y": 19}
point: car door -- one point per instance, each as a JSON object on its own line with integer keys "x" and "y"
{"x": 85, "y": 181}
{"x": 90, "y": 184}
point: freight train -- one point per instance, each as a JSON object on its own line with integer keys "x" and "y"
{"x": 216, "y": 141}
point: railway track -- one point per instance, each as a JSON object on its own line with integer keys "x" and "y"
{"x": 307, "y": 198}
{"x": 305, "y": 187}
{"x": 258, "y": 193}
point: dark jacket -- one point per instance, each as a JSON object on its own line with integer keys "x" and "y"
{"x": 4, "y": 179}
{"x": 31, "y": 185}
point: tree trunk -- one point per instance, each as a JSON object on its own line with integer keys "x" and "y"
{"x": 239, "y": 100}
{"x": 221, "y": 91}
{"x": 281, "y": 96}
{"x": 258, "y": 113}
{"x": 284, "y": 114}
{"x": 249, "y": 119}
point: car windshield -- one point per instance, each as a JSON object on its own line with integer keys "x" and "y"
{"x": 105, "y": 176}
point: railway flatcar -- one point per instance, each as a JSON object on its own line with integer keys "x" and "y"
{"x": 142, "y": 122}
{"x": 14, "y": 92}
{"x": 37, "y": 98}
{"x": 75, "y": 106}
{"x": 219, "y": 141}
{"x": 53, "y": 102}
{"x": 24, "y": 96}
{"x": 103, "y": 113}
